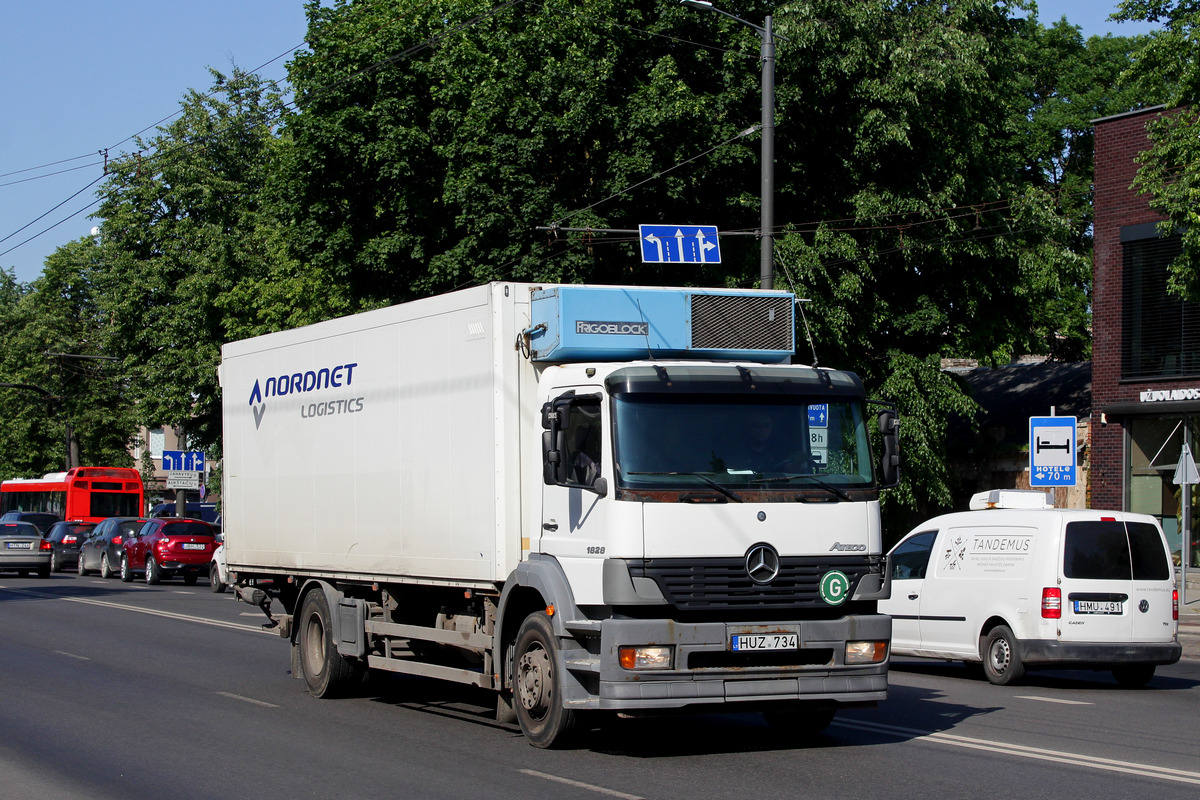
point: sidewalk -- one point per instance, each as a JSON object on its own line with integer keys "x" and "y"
{"x": 1189, "y": 614}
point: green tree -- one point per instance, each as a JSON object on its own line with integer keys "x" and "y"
{"x": 55, "y": 344}
{"x": 1170, "y": 169}
{"x": 932, "y": 166}
{"x": 193, "y": 256}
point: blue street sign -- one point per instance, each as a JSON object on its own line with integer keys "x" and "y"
{"x": 681, "y": 244}
{"x": 1052, "y": 451}
{"x": 185, "y": 460}
{"x": 818, "y": 415}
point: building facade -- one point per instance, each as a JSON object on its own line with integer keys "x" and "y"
{"x": 1146, "y": 342}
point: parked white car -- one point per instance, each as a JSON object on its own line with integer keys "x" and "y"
{"x": 1027, "y": 587}
{"x": 218, "y": 573}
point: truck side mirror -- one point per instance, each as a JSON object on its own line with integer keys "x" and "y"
{"x": 551, "y": 456}
{"x": 889, "y": 466}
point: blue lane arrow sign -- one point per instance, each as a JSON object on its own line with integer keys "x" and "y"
{"x": 680, "y": 244}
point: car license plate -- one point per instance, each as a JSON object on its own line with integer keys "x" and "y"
{"x": 193, "y": 545}
{"x": 744, "y": 642}
{"x": 1097, "y": 606}
{"x": 19, "y": 545}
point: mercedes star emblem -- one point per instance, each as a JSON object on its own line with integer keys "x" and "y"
{"x": 762, "y": 563}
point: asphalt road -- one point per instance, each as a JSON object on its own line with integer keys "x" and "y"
{"x": 113, "y": 690}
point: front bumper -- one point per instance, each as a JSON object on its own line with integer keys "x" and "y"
{"x": 706, "y": 671}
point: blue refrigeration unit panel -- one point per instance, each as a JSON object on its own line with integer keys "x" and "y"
{"x": 602, "y": 323}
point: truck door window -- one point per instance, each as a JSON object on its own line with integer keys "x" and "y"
{"x": 582, "y": 442}
{"x": 911, "y": 557}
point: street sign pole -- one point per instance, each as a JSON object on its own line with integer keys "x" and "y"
{"x": 1185, "y": 476}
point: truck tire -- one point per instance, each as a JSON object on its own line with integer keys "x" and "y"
{"x": 536, "y": 684}
{"x": 326, "y": 672}
{"x": 1001, "y": 657}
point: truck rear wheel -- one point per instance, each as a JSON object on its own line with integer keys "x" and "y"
{"x": 326, "y": 672}
{"x": 537, "y": 694}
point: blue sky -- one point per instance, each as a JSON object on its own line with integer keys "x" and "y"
{"x": 82, "y": 76}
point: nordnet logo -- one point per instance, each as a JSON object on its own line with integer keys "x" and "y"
{"x": 300, "y": 383}
{"x": 617, "y": 328}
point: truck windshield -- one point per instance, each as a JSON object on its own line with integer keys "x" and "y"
{"x": 792, "y": 441}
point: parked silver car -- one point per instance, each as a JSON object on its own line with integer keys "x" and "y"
{"x": 23, "y": 550}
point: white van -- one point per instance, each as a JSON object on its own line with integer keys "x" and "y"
{"x": 1019, "y": 584}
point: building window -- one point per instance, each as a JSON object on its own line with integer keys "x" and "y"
{"x": 1155, "y": 444}
{"x": 158, "y": 441}
{"x": 1162, "y": 332}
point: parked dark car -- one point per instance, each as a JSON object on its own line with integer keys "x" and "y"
{"x": 43, "y": 520}
{"x": 101, "y": 551}
{"x": 23, "y": 550}
{"x": 169, "y": 546}
{"x": 65, "y": 539}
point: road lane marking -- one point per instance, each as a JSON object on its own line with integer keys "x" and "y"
{"x": 580, "y": 785}
{"x": 151, "y": 611}
{"x": 1053, "y": 700}
{"x": 1023, "y": 751}
{"x": 71, "y": 655}
{"x": 248, "y": 700}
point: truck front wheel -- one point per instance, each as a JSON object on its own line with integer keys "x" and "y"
{"x": 537, "y": 694}
{"x": 326, "y": 672}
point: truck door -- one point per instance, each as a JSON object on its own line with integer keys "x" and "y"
{"x": 575, "y": 485}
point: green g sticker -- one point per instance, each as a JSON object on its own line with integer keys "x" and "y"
{"x": 834, "y": 587}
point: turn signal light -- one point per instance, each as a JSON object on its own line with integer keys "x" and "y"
{"x": 645, "y": 657}
{"x": 866, "y": 652}
{"x": 1051, "y": 603}
{"x": 1175, "y": 604}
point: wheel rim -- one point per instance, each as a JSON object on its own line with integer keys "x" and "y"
{"x": 314, "y": 645}
{"x": 1001, "y": 656}
{"x": 149, "y": 568}
{"x": 104, "y": 565}
{"x": 535, "y": 678}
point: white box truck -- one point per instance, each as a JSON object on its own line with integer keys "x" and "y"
{"x": 586, "y": 498}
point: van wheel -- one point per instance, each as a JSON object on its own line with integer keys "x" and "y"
{"x": 1134, "y": 676}
{"x": 1001, "y": 658}
{"x": 326, "y": 672}
{"x": 537, "y": 695}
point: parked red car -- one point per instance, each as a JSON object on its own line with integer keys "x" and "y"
{"x": 169, "y": 546}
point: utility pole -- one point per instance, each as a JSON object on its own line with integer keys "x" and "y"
{"x": 766, "y": 230}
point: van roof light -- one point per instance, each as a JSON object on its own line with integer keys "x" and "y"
{"x": 1011, "y": 498}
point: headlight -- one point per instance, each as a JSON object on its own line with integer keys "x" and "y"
{"x": 645, "y": 657}
{"x": 866, "y": 652}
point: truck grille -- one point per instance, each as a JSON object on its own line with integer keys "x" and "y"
{"x": 722, "y": 583}
{"x": 738, "y": 322}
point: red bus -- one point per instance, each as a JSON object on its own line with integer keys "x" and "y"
{"x": 83, "y": 494}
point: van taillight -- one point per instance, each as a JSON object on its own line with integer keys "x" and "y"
{"x": 1175, "y": 604}
{"x": 1051, "y": 603}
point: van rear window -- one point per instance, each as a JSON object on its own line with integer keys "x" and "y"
{"x": 1096, "y": 550}
{"x": 1109, "y": 551}
{"x": 1149, "y": 556}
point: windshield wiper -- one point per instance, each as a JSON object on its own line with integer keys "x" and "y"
{"x": 732, "y": 495}
{"x": 829, "y": 487}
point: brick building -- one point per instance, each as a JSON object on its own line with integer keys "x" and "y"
{"x": 1146, "y": 342}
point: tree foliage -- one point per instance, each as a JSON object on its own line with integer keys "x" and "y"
{"x": 1170, "y": 169}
